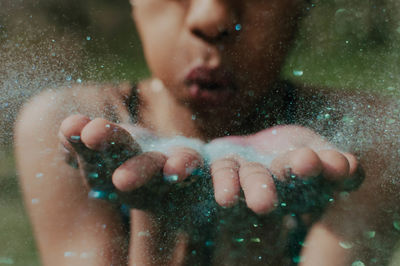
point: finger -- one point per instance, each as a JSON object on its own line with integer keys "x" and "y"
{"x": 353, "y": 163}
{"x": 356, "y": 173}
{"x": 72, "y": 126}
{"x": 70, "y": 137}
{"x": 335, "y": 166}
{"x": 100, "y": 134}
{"x": 302, "y": 162}
{"x": 181, "y": 163}
{"x": 258, "y": 187}
{"x": 138, "y": 171}
{"x": 226, "y": 183}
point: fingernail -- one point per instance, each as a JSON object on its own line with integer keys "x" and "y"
{"x": 171, "y": 178}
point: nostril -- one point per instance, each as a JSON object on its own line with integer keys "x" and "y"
{"x": 218, "y": 36}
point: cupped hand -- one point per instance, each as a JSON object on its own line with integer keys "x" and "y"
{"x": 302, "y": 177}
{"x": 115, "y": 168}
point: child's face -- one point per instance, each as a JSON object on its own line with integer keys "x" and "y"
{"x": 210, "y": 51}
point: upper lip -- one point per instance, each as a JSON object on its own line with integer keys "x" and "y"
{"x": 209, "y": 78}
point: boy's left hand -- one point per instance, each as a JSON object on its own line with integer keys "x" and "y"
{"x": 299, "y": 152}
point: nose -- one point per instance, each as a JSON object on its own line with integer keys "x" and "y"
{"x": 210, "y": 20}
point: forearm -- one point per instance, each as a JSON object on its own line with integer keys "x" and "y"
{"x": 360, "y": 226}
{"x": 152, "y": 242}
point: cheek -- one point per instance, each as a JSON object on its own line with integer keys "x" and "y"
{"x": 159, "y": 26}
{"x": 265, "y": 39}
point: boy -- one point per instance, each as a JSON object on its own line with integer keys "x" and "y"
{"x": 216, "y": 71}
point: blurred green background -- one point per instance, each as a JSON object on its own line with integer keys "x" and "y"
{"x": 53, "y": 43}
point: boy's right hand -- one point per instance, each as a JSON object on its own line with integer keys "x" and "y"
{"x": 110, "y": 159}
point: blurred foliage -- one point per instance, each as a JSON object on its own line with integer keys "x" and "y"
{"x": 52, "y": 43}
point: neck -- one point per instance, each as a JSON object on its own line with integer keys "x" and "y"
{"x": 161, "y": 113}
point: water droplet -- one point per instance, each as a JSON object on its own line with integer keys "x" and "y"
{"x": 238, "y": 27}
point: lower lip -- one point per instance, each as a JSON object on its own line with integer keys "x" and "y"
{"x": 209, "y": 96}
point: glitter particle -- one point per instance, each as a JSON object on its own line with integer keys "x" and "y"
{"x": 238, "y": 27}
{"x": 396, "y": 224}
{"x": 239, "y": 240}
{"x": 35, "y": 201}
{"x": 76, "y": 138}
{"x": 171, "y": 178}
{"x": 5, "y": 260}
{"x": 358, "y": 263}
{"x": 39, "y": 175}
{"x": 297, "y": 259}
{"x": 144, "y": 234}
{"x": 345, "y": 245}
{"x": 93, "y": 175}
{"x": 69, "y": 254}
{"x": 369, "y": 234}
{"x": 298, "y": 73}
